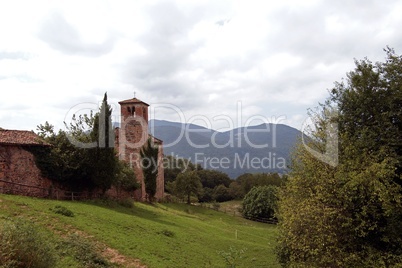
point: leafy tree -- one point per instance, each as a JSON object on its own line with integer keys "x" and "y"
{"x": 349, "y": 215}
{"x": 206, "y": 195}
{"x": 260, "y": 203}
{"x": 236, "y": 191}
{"x": 187, "y": 184}
{"x": 174, "y": 166}
{"x": 125, "y": 178}
{"x": 244, "y": 183}
{"x": 76, "y": 167}
{"x": 62, "y": 161}
{"x": 149, "y": 156}
{"x": 221, "y": 193}
{"x": 213, "y": 178}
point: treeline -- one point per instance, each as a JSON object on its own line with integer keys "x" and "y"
{"x": 191, "y": 182}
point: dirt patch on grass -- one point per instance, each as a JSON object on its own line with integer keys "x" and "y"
{"x": 65, "y": 230}
{"x": 115, "y": 257}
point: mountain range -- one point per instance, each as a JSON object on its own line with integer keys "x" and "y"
{"x": 262, "y": 148}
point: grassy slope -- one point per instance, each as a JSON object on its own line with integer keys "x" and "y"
{"x": 143, "y": 231}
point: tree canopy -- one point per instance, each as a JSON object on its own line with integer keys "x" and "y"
{"x": 350, "y": 214}
{"x": 187, "y": 184}
{"x": 84, "y": 167}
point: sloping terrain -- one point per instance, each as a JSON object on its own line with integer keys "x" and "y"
{"x": 160, "y": 235}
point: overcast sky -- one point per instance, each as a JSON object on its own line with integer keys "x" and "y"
{"x": 190, "y": 60}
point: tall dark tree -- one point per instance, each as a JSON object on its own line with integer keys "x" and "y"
{"x": 103, "y": 157}
{"x": 149, "y": 162}
{"x": 349, "y": 215}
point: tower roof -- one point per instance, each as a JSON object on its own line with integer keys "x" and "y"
{"x": 133, "y": 101}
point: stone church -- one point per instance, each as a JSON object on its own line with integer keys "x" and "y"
{"x": 131, "y": 136}
{"x": 19, "y": 174}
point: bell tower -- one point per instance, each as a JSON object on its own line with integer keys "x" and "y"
{"x": 134, "y": 122}
{"x": 130, "y": 139}
{"x": 132, "y": 136}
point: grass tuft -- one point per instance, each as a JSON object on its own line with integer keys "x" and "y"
{"x": 62, "y": 211}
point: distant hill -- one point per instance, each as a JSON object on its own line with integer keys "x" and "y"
{"x": 262, "y": 148}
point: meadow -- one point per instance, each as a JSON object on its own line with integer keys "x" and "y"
{"x": 150, "y": 235}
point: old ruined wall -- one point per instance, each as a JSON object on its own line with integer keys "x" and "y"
{"x": 19, "y": 173}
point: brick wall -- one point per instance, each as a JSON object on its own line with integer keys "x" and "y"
{"x": 19, "y": 174}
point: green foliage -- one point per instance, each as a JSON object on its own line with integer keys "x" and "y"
{"x": 167, "y": 233}
{"x": 206, "y": 195}
{"x": 233, "y": 256}
{"x": 349, "y": 215}
{"x": 84, "y": 252}
{"x": 103, "y": 161}
{"x": 216, "y": 206}
{"x": 174, "y": 166}
{"x": 126, "y": 178}
{"x": 221, "y": 193}
{"x": 244, "y": 183}
{"x": 62, "y": 211}
{"x": 213, "y": 178}
{"x": 260, "y": 203}
{"x": 77, "y": 167}
{"x": 24, "y": 245}
{"x": 187, "y": 184}
{"x": 127, "y": 202}
{"x": 149, "y": 160}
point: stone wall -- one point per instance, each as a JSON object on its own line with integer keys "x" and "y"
{"x": 19, "y": 174}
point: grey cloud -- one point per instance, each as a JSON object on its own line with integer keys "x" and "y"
{"x": 167, "y": 44}
{"x": 168, "y": 53}
{"x": 304, "y": 32}
{"x": 62, "y": 36}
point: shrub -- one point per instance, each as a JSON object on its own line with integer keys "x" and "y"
{"x": 127, "y": 202}
{"x": 216, "y": 206}
{"x": 23, "y": 245}
{"x": 84, "y": 252}
{"x": 63, "y": 211}
{"x": 232, "y": 256}
{"x": 260, "y": 203}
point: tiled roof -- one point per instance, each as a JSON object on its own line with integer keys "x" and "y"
{"x": 134, "y": 100}
{"x": 20, "y": 137}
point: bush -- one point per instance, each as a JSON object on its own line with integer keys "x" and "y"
{"x": 84, "y": 252}
{"x": 232, "y": 256}
{"x": 260, "y": 203}
{"x": 221, "y": 193}
{"x": 127, "y": 202}
{"x": 216, "y": 206}
{"x": 24, "y": 245}
{"x": 63, "y": 211}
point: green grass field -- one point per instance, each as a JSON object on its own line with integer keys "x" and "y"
{"x": 160, "y": 235}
